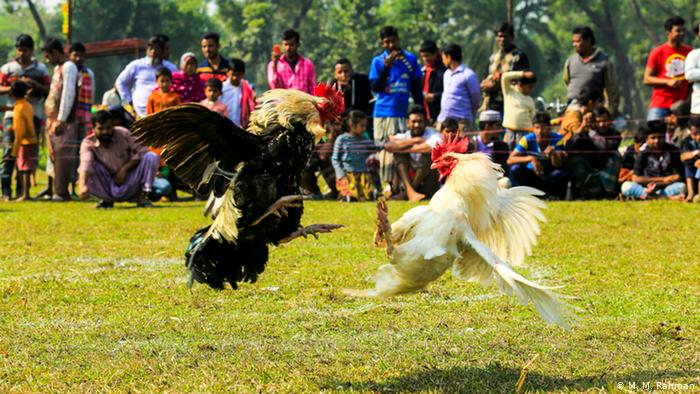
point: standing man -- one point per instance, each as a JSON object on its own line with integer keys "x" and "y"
{"x": 590, "y": 67}
{"x": 665, "y": 71}
{"x": 394, "y": 75}
{"x": 214, "y": 65}
{"x": 692, "y": 74}
{"x": 355, "y": 87}
{"x": 507, "y": 58}
{"x": 433, "y": 71}
{"x": 461, "y": 95}
{"x": 291, "y": 70}
{"x": 61, "y": 123}
{"x": 138, "y": 79}
{"x": 36, "y": 76}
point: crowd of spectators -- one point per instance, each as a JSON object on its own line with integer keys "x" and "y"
{"x": 394, "y": 116}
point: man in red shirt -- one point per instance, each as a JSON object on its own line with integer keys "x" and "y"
{"x": 665, "y": 71}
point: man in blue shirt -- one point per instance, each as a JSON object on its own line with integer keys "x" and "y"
{"x": 394, "y": 75}
{"x": 538, "y": 159}
{"x": 461, "y": 95}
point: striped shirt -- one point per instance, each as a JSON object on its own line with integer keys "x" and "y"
{"x": 303, "y": 77}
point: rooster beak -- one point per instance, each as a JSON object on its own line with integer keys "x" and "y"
{"x": 433, "y": 166}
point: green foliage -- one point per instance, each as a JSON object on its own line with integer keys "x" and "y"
{"x": 332, "y": 29}
{"x": 96, "y": 301}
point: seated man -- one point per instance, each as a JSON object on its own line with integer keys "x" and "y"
{"x": 538, "y": 159}
{"x": 412, "y": 151}
{"x": 658, "y": 170}
{"x": 690, "y": 156}
{"x": 113, "y": 167}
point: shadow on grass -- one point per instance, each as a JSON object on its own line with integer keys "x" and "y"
{"x": 495, "y": 378}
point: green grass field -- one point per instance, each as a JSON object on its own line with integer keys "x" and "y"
{"x": 96, "y": 301}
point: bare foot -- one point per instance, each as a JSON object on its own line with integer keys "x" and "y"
{"x": 414, "y": 196}
{"x": 279, "y": 207}
{"x": 313, "y": 230}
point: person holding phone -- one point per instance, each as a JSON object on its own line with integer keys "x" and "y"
{"x": 290, "y": 70}
{"x": 395, "y": 76}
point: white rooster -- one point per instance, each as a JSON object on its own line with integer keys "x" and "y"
{"x": 470, "y": 225}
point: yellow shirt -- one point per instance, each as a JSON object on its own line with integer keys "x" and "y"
{"x": 23, "y": 125}
{"x": 518, "y": 108}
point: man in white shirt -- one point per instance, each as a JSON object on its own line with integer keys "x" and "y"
{"x": 412, "y": 150}
{"x": 138, "y": 79}
{"x": 692, "y": 74}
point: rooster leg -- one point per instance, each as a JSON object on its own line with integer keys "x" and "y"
{"x": 313, "y": 229}
{"x": 382, "y": 235}
{"x": 280, "y": 207}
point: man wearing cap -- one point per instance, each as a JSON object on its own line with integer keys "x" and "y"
{"x": 23, "y": 67}
{"x": 490, "y": 139}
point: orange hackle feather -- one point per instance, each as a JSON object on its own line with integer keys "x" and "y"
{"x": 335, "y": 106}
{"x": 451, "y": 142}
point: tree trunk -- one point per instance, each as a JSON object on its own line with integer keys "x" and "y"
{"x": 37, "y": 19}
{"x": 625, "y": 71}
{"x": 305, "y": 7}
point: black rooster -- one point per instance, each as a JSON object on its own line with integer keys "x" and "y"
{"x": 252, "y": 176}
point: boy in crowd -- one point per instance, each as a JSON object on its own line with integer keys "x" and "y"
{"x": 25, "y": 68}
{"x": 433, "y": 75}
{"x": 212, "y": 92}
{"x": 350, "y": 154}
{"x": 658, "y": 170}
{"x": 690, "y": 156}
{"x": 163, "y": 97}
{"x": 630, "y": 155}
{"x": 237, "y": 94}
{"x": 518, "y": 106}
{"x": 25, "y": 148}
{"x": 538, "y": 159}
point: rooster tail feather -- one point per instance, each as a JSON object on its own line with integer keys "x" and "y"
{"x": 547, "y": 303}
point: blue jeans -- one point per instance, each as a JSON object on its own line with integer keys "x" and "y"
{"x": 635, "y": 190}
{"x": 658, "y": 113}
{"x": 553, "y": 183}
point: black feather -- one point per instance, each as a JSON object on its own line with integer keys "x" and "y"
{"x": 268, "y": 167}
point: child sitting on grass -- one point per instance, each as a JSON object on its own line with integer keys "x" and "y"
{"x": 350, "y": 154}
{"x": 25, "y": 147}
{"x": 518, "y": 106}
{"x": 212, "y": 92}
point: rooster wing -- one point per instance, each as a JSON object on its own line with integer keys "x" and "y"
{"x": 198, "y": 143}
{"x": 514, "y": 223}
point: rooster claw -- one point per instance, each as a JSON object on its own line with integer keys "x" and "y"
{"x": 312, "y": 230}
{"x": 280, "y": 207}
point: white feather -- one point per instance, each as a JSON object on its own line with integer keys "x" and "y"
{"x": 463, "y": 220}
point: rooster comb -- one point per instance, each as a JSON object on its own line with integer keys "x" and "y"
{"x": 451, "y": 142}
{"x": 334, "y": 96}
